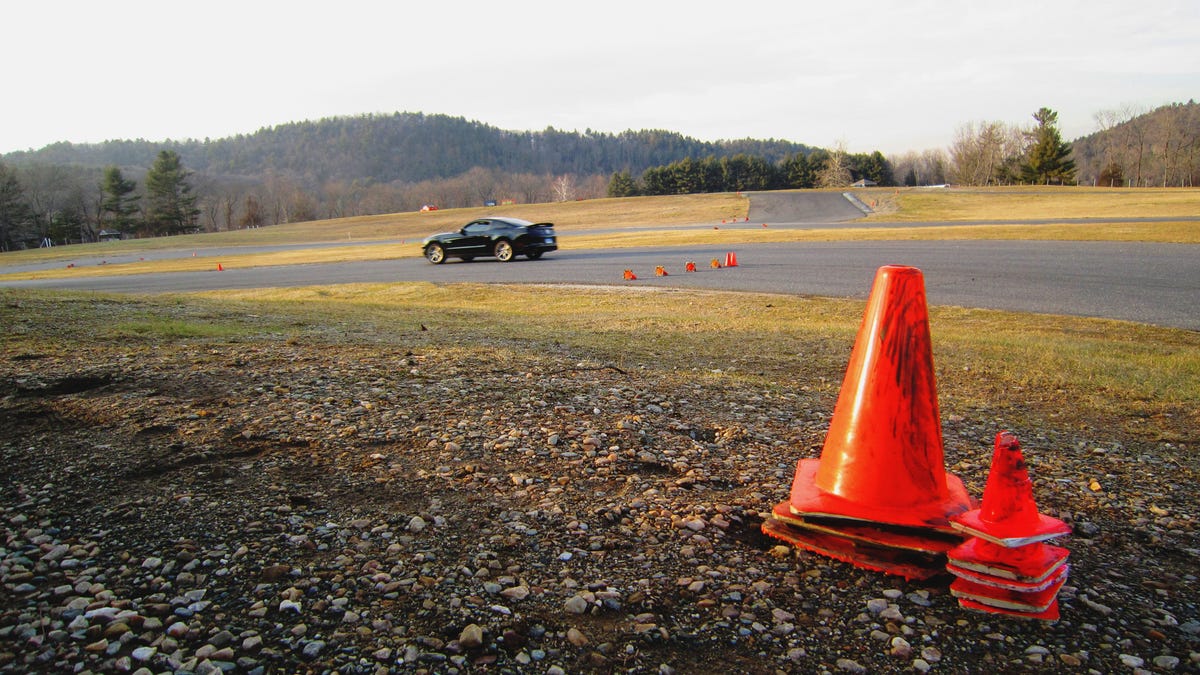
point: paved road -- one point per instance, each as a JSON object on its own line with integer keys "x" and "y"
{"x": 1149, "y": 283}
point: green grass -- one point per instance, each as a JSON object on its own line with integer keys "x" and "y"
{"x": 1051, "y": 369}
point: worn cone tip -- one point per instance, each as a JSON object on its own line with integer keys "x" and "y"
{"x": 1008, "y": 495}
{"x": 883, "y": 457}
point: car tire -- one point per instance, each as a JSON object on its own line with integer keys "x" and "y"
{"x": 435, "y": 254}
{"x": 534, "y": 255}
{"x": 503, "y": 250}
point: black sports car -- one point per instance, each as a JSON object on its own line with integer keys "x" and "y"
{"x": 503, "y": 238}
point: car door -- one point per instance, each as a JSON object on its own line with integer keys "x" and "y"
{"x": 474, "y": 240}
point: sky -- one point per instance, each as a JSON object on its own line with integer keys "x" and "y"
{"x": 884, "y": 75}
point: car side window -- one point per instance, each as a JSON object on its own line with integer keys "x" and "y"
{"x": 477, "y": 227}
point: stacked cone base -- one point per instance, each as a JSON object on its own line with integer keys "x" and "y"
{"x": 808, "y": 498}
{"x": 1031, "y": 564}
{"x": 1058, "y": 576}
{"x": 1049, "y": 614}
{"x": 1014, "y": 601}
{"x": 900, "y": 551}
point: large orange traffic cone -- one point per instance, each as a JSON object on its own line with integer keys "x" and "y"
{"x": 883, "y": 459}
{"x": 879, "y": 496}
{"x": 731, "y": 259}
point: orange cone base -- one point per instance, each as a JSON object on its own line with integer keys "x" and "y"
{"x": 1010, "y": 534}
{"x": 900, "y": 562}
{"x": 809, "y": 500}
{"x": 1049, "y": 614}
{"x": 1009, "y": 584}
{"x": 1029, "y": 564}
{"x": 920, "y": 540}
{"x": 1016, "y": 601}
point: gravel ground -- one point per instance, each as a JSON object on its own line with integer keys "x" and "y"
{"x": 371, "y": 504}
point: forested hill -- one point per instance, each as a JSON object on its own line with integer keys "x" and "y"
{"x": 409, "y": 147}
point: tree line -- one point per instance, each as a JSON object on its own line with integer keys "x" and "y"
{"x": 819, "y": 168}
{"x": 55, "y": 207}
{"x": 386, "y": 164}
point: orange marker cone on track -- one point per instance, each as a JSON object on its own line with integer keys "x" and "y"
{"x": 689, "y": 267}
{"x": 220, "y": 268}
{"x": 715, "y": 264}
{"x": 630, "y": 276}
{"x": 882, "y": 468}
{"x": 731, "y": 259}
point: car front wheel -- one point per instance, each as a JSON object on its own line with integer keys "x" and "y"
{"x": 503, "y": 251}
{"x": 435, "y": 254}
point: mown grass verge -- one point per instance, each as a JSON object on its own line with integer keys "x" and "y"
{"x": 1027, "y": 368}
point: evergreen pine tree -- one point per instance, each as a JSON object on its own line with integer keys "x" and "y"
{"x": 14, "y": 211}
{"x": 119, "y": 203}
{"x": 622, "y": 185}
{"x": 170, "y": 204}
{"x": 1048, "y": 159}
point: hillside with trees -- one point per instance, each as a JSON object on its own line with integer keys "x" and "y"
{"x": 1132, "y": 148}
{"x": 371, "y": 164}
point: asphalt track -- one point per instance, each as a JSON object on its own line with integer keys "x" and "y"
{"x": 1143, "y": 282}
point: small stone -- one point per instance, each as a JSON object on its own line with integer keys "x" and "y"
{"x": 313, "y": 649}
{"x": 516, "y": 592}
{"x": 416, "y": 524}
{"x": 877, "y": 605}
{"x": 900, "y": 648}
{"x": 1070, "y": 659}
{"x": 1166, "y": 662}
{"x": 576, "y": 638}
{"x": 850, "y": 666}
{"x": 1132, "y": 661}
{"x": 471, "y": 637}
{"x": 575, "y": 605}
{"x": 931, "y": 654}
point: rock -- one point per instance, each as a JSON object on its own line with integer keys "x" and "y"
{"x": 576, "y": 638}
{"x": 471, "y": 637}
{"x": 575, "y": 605}
{"x": 1166, "y": 662}
{"x": 850, "y": 666}
{"x": 1132, "y": 661}
{"x": 313, "y": 649}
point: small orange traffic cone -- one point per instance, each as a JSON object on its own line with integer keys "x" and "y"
{"x": 689, "y": 267}
{"x": 882, "y": 465}
{"x": 660, "y": 271}
{"x": 715, "y": 264}
{"x": 731, "y": 259}
{"x": 630, "y": 276}
{"x": 1007, "y": 567}
{"x": 1008, "y": 515}
{"x": 220, "y": 268}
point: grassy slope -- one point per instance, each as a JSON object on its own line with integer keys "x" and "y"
{"x": 1142, "y": 378}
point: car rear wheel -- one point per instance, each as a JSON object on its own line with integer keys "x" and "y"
{"x": 435, "y": 254}
{"x": 534, "y": 255}
{"x": 503, "y": 251}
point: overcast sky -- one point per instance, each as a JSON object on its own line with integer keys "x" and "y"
{"x": 872, "y": 75}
